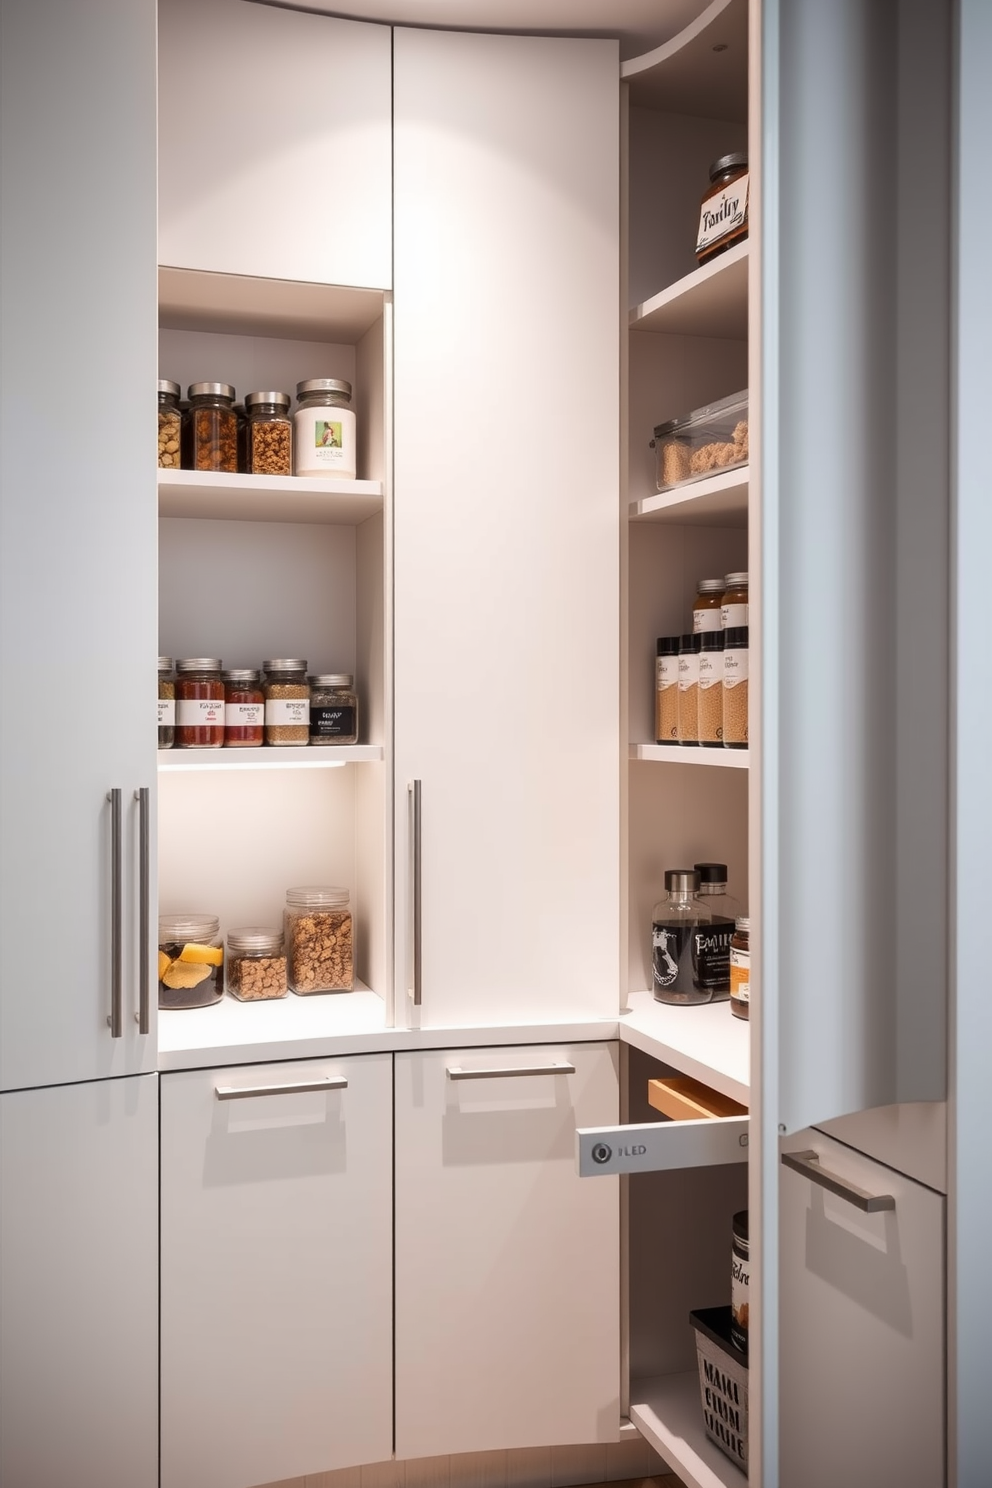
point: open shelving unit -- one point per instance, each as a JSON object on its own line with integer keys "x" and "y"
{"x": 674, "y": 754}
{"x": 714, "y": 501}
{"x": 711, "y": 301}
{"x": 311, "y": 757}
{"x": 667, "y": 1412}
{"x": 221, "y": 496}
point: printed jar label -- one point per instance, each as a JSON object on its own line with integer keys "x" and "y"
{"x": 332, "y": 723}
{"x": 666, "y": 671}
{"x": 328, "y": 442}
{"x": 710, "y": 669}
{"x": 706, "y": 620}
{"x": 733, "y": 614}
{"x": 722, "y": 213}
{"x": 244, "y": 715}
{"x": 688, "y": 671}
{"x": 199, "y": 712}
{"x": 734, "y": 668}
{"x": 740, "y": 1285}
{"x": 166, "y": 712}
{"x": 740, "y": 975}
{"x": 711, "y": 957}
{"x": 287, "y": 710}
{"x": 671, "y": 957}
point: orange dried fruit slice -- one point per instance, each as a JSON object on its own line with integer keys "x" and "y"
{"x": 164, "y": 962}
{"x": 185, "y": 974}
{"x": 202, "y": 955}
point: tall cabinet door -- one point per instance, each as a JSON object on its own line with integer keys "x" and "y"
{"x": 506, "y": 522}
{"x": 79, "y": 1285}
{"x": 77, "y": 531}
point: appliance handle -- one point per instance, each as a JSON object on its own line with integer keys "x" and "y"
{"x": 115, "y": 1018}
{"x": 144, "y": 909}
{"x": 418, "y": 902}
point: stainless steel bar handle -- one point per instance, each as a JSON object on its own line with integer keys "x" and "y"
{"x": 507, "y": 1072}
{"x": 243, "y": 1092}
{"x": 116, "y": 1018}
{"x": 418, "y": 944}
{"x": 808, "y": 1164}
{"x": 144, "y": 910}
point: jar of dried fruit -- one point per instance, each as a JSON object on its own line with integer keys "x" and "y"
{"x": 199, "y": 703}
{"x": 333, "y": 708}
{"x": 244, "y": 709}
{"x": 166, "y": 704}
{"x": 256, "y": 965}
{"x": 269, "y": 442}
{"x": 319, "y": 940}
{"x": 213, "y": 426}
{"x": 287, "y": 701}
{"x": 190, "y": 961}
{"x": 324, "y": 429}
{"x": 170, "y": 421}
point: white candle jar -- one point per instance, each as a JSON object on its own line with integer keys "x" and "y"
{"x": 324, "y": 429}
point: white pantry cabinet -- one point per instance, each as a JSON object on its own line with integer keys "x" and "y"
{"x": 507, "y": 1263}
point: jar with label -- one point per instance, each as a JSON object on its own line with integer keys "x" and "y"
{"x": 319, "y": 940}
{"x": 724, "y": 208}
{"x": 713, "y": 957}
{"x": 333, "y": 708}
{"x": 199, "y": 703}
{"x": 269, "y": 441}
{"x": 213, "y": 426}
{"x": 190, "y": 961}
{"x": 166, "y": 704}
{"x": 733, "y": 609}
{"x": 666, "y": 690}
{"x": 711, "y": 689}
{"x": 170, "y": 422}
{"x": 287, "y": 702}
{"x": 735, "y": 687}
{"x": 680, "y": 925}
{"x": 689, "y": 690}
{"x": 740, "y": 1283}
{"x": 324, "y": 429}
{"x": 256, "y": 965}
{"x": 244, "y": 709}
{"x": 707, "y": 607}
{"x": 740, "y": 968}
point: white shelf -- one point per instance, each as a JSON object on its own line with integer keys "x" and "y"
{"x": 674, "y": 754}
{"x": 707, "y": 1042}
{"x": 713, "y": 501}
{"x": 266, "y": 498}
{"x": 711, "y": 301}
{"x": 687, "y": 76}
{"x": 233, "y": 1032}
{"x": 309, "y": 757}
{"x": 667, "y": 1412}
{"x": 193, "y": 300}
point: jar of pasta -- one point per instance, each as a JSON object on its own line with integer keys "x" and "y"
{"x": 324, "y": 429}
{"x": 319, "y": 940}
{"x": 287, "y": 702}
{"x": 199, "y": 703}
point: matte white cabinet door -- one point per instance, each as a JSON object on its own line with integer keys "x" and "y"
{"x": 78, "y": 526}
{"x": 507, "y": 522}
{"x": 275, "y": 143}
{"x": 79, "y": 1285}
{"x": 276, "y": 1271}
{"x": 507, "y": 1263}
{"x": 861, "y": 1303}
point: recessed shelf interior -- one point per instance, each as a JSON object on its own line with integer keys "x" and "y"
{"x": 702, "y": 71}
{"x": 715, "y": 501}
{"x": 207, "y": 495}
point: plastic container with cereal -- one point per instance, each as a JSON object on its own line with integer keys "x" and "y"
{"x": 704, "y": 442}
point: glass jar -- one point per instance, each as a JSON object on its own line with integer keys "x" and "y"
{"x": 735, "y": 687}
{"x": 724, "y": 207}
{"x": 676, "y": 922}
{"x": 190, "y": 961}
{"x": 740, "y": 1282}
{"x": 244, "y": 709}
{"x": 166, "y": 704}
{"x": 711, "y": 689}
{"x": 319, "y": 940}
{"x": 287, "y": 702}
{"x": 256, "y": 965}
{"x": 333, "y": 709}
{"x": 199, "y": 703}
{"x": 324, "y": 429}
{"x": 712, "y": 950}
{"x": 213, "y": 426}
{"x": 733, "y": 607}
{"x": 740, "y": 968}
{"x": 170, "y": 423}
{"x": 269, "y": 435}
{"x": 666, "y": 690}
{"x": 689, "y": 690}
{"x": 707, "y": 607}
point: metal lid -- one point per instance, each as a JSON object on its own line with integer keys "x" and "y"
{"x": 284, "y": 664}
{"x": 281, "y": 400}
{"x": 317, "y": 897}
{"x": 735, "y": 638}
{"x": 711, "y": 873}
{"x": 211, "y": 389}
{"x": 255, "y": 938}
{"x": 165, "y": 663}
{"x": 199, "y": 664}
{"x": 682, "y": 880}
{"x": 188, "y": 926}
{"x": 165, "y": 386}
{"x": 323, "y": 385}
{"x": 668, "y": 645}
{"x": 331, "y": 679}
{"x": 743, "y": 923}
{"x": 240, "y": 674}
{"x": 735, "y": 161}
{"x": 710, "y": 586}
{"x": 736, "y": 580}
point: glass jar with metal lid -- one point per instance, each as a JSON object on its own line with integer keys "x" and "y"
{"x": 213, "y": 426}
{"x": 324, "y": 429}
{"x": 269, "y": 442}
{"x": 287, "y": 701}
{"x": 170, "y": 422}
{"x": 256, "y": 965}
{"x": 708, "y": 605}
{"x": 190, "y": 961}
{"x": 166, "y": 704}
{"x": 244, "y": 709}
{"x": 733, "y": 607}
{"x": 676, "y": 922}
{"x": 199, "y": 703}
{"x": 724, "y": 207}
{"x": 319, "y": 940}
{"x": 333, "y": 708}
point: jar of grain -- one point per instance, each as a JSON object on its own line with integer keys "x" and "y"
{"x": 319, "y": 940}
{"x": 287, "y": 702}
{"x": 213, "y": 426}
{"x": 724, "y": 207}
{"x": 733, "y": 607}
{"x": 333, "y": 709}
{"x": 707, "y": 608}
{"x": 740, "y": 968}
{"x": 256, "y": 965}
{"x": 689, "y": 690}
{"x": 244, "y": 709}
{"x": 711, "y": 689}
{"x": 199, "y": 703}
{"x": 170, "y": 421}
{"x": 166, "y": 704}
{"x": 666, "y": 690}
{"x": 269, "y": 434}
{"x": 735, "y": 687}
{"x": 324, "y": 429}
{"x": 190, "y": 961}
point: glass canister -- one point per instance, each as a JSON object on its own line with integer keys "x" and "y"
{"x": 740, "y": 968}
{"x": 166, "y": 704}
{"x": 712, "y": 948}
{"x": 190, "y": 961}
{"x": 735, "y": 687}
{"x": 724, "y": 207}
{"x": 287, "y": 701}
{"x": 319, "y": 940}
{"x": 244, "y": 709}
{"x": 733, "y": 608}
{"x": 666, "y": 690}
{"x": 707, "y": 607}
{"x": 324, "y": 429}
{"x": 689, "y": 690}
{"x": 256, "y": 965}
{"x": 711, "y": 689}
{"x": 170, "y": 422}
{"x": 269, "y": 435}
{"x": 333, "y": 708}
{"x": 213, "y": 426}
{"x": 740, "y": 1283}
{"x": 199, "y": 703}
{"x": 676, "y": 921}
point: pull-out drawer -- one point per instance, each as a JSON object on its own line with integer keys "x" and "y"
{"x": 704, "y": 1129}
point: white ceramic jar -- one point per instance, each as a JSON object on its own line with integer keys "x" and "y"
{"x": 324, "y": 429}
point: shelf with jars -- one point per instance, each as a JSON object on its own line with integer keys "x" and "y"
{"x": 675, "y": 754}
{"x": 714, "y": 501}
{"x": 711, "y": 301}
{"x": 224, "y": 496}
{"x": 316, "y": 757}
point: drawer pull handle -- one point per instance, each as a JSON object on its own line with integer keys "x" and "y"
{"x": 808, "y": 1165}
{"x": 144, "y": 909}
{"x": 418, "y": 893}
{"x": 242, "y": 1092}
{"x": 455, "y": 1072}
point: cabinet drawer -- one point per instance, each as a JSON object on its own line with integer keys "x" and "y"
{"x": 703, "y": 1129}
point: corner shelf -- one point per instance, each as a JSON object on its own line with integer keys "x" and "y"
{"x": 666, "y": 1411}
{"x": 701, "y": 71}
{"x": 266, "y": 498}
{"x": 706, "y": 1042}
{"x": 711, "y": 301}
{"x": 674, "y": 754}
{"x": 312, "y": 757}
{"x": 714, "y": 501}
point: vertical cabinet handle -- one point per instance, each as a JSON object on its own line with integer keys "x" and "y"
{"x": 116, "y": 1020}
{"x": 418, "y": 967}
{"x": 144, "y": 909}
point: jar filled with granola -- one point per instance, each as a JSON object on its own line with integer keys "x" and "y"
{"x": 199, "y": 703}
{"x": 269, "y": 434}
{"x": 319, "y": 940}
{"x": 213, "y": 427}
{"x": 166, "y": 704}
{"x": 287, "y": 701}
{"x": 256, "y": 965}
{"x": 190, "y": 961}
{"x": 244, "y": 709}
{"x": 324, "y": 429}
{"x": 170, "y": 422}
{"x": 333, "y": 708}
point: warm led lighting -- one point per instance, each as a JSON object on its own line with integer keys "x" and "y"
{"x": 182, "y": 766}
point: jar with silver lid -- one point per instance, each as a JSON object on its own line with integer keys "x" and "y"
{"x": 287, "y": 701}
{"x": 166, "y": 703}
{"x": 324, "y": 429}
{"x": 269, "y": 442}
{"x": 256, "y": 964}
{"x": 190, "y": 961}
{"x": 723, "y": 211}
{"x": 333, "y": 708}
{"x": 319, "y": 940}
{"x": 199, "y": 703}
{"x": 213, "y": 427}
{"x": 170, "y": 421}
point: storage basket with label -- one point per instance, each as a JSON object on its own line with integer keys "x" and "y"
{"x": 722, "y": 1382}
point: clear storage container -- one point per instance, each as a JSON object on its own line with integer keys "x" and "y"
{"x": 324, "y": 440}
{"x": 170, "y": 421}
{"x": 190, "y": 961}
{"x": 680, "y": 925}
{"x": 199, "y": 703}
{"x": 319, "y": 940}
{"x": 256, "y": 965}
{"x": 268, "y": 434}
{"x": 213, "y": 427}
{"x": 333, "y": 708}
{"x": 166, "y": 703}
{"x": 702, "y": 443}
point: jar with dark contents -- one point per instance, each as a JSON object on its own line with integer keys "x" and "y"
{"x": 244, "y": 709}
{"x": 269, "y": 434}
{"x": 724, "y": 208}
{"x": 169, "y": 425}
{"x": 213, "y": 427}
{"x": 740, "y": 968}
{"x": 287, "y": 702}
{"x": 256, "y": 965}
{"x": 740, "y": 1284}
{"x": 707, "y": 607}
{"x": 319, "y": 940}
{"x": 333, "y": 708}
{"x": 166, "y": 704}
{"x": 190, "y": 961}
{"x": 199, "y": 703}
